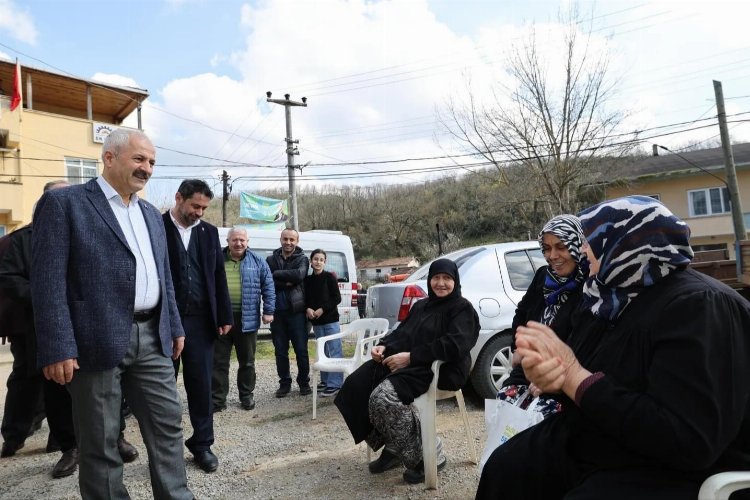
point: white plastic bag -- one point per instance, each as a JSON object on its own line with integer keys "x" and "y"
{"x": 505, "y": 420}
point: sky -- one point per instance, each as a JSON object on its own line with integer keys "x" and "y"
{"x": 375, "y": 73}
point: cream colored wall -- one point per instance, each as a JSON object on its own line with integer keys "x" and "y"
{"x": 673, "y": 192}
{"x": 51, "y": 137}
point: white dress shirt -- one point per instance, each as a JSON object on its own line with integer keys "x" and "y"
{"x": 133, "y": 225}
{"x": 185, "y": 232}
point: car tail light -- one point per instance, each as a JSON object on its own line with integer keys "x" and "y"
{"x": 355, "y": 289}
{"x": 412, "y": 293}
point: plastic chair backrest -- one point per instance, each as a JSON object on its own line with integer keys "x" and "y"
{"x": 720, "y": 486}
{"x": 369, "y": 330}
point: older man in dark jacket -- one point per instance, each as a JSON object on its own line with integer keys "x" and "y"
{"x": 289, "y": 265}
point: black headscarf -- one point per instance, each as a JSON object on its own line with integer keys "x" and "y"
{"x": 448, "y": 267}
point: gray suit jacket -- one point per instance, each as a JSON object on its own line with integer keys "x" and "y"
{"x": 83, "y": 279}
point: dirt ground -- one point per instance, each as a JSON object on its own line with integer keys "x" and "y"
{"x": 275, "y": 451}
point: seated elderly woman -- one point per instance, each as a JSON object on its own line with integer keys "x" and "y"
{"x": 552, "y": 297}
{"x": 375, "y": 400}
{"x": 655, "y": 375}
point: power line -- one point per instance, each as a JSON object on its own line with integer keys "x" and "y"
{"x": 440, "y": 157}
{"x": 444, "y": 168}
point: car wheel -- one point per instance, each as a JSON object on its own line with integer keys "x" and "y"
{"x": 492, "y": 366}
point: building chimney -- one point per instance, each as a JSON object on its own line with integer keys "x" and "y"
{"x": 656, "y": 149}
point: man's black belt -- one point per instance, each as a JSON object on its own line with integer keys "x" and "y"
{"x": 144, "y": 315}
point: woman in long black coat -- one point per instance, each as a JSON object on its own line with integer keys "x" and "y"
{"x": 655, "y": 376}
{"x": 375, "y": 400}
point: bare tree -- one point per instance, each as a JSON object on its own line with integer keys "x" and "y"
{"x": 553, "y": 121}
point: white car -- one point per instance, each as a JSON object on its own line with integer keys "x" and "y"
{"x": 494, "y": 278}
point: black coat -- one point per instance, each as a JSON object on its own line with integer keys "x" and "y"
{"x": 674, "y": 398}
{"x": 444, "y": 330}
{"x": 322, "y": 291}
{"x": 288, "y": 277}
{"x": 16, "y": 313}
{"x": 532, "y": 307}
{"x": 212, "y": 265}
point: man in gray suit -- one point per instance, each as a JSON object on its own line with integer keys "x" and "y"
{"x": 106, "y": 318}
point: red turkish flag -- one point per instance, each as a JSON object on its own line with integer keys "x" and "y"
{"x": 16, "y": 100}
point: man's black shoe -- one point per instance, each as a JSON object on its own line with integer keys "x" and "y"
{"x": 386, "y": 461}
{"x": 248, "y": 404}
{"x": 67, "y": 464}
{"x": 10, "y": 448}
{"x": 218, "y": 408}
{"x": 283, "y": 391}
{"x": 416, "y": 475}
{"x": 128, "y": 452}
{"x": 305, "y": 390}
{"x": 206, "y": 460}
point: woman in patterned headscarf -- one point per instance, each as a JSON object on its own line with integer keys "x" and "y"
{"x": 552, "y": 296}
{"x": 654, "y": 378}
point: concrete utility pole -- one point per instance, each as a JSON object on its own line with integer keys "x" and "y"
{"x": 734, "y": 193}
{"x": 225, "y": 194}
{"x": 291, "y": 149}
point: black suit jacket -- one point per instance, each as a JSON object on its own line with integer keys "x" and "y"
{"x": 212, "y": 265}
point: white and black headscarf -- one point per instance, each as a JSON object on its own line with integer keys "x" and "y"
{"x": 638, "y": 242}
{"x": 556, "y": 288}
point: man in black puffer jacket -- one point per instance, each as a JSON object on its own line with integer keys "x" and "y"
{"x": 289, "y": 266}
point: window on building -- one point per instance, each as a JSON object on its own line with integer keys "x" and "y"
{"x": 709, "y": 201}
{"x": 3, "y": 230}
{"x": 79, "y": 170}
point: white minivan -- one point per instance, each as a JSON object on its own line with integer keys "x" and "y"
{"x": 340, "y": 259}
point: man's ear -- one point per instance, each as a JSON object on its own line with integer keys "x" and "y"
{"x": 107, "y": 158}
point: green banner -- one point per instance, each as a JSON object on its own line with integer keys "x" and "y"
{"x": 262, "y": 209}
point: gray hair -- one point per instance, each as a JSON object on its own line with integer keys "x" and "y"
{"x": 118, "y": 138}
{"x": 236, "y": 229}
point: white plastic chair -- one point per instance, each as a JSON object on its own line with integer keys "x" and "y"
{"x": 365, "y": 332}
{"x": 425, "y": 405}
{"x": 720, "y": 486}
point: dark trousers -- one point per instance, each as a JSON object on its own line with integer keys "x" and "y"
{"x": 23, "y": 401}
{"x": 59, "y": 408}
{"x": 290, "y": 327}
{"x": 30, "y": 396}
{"x": 244, "y": 344}
{"x": 197, "y": 365}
